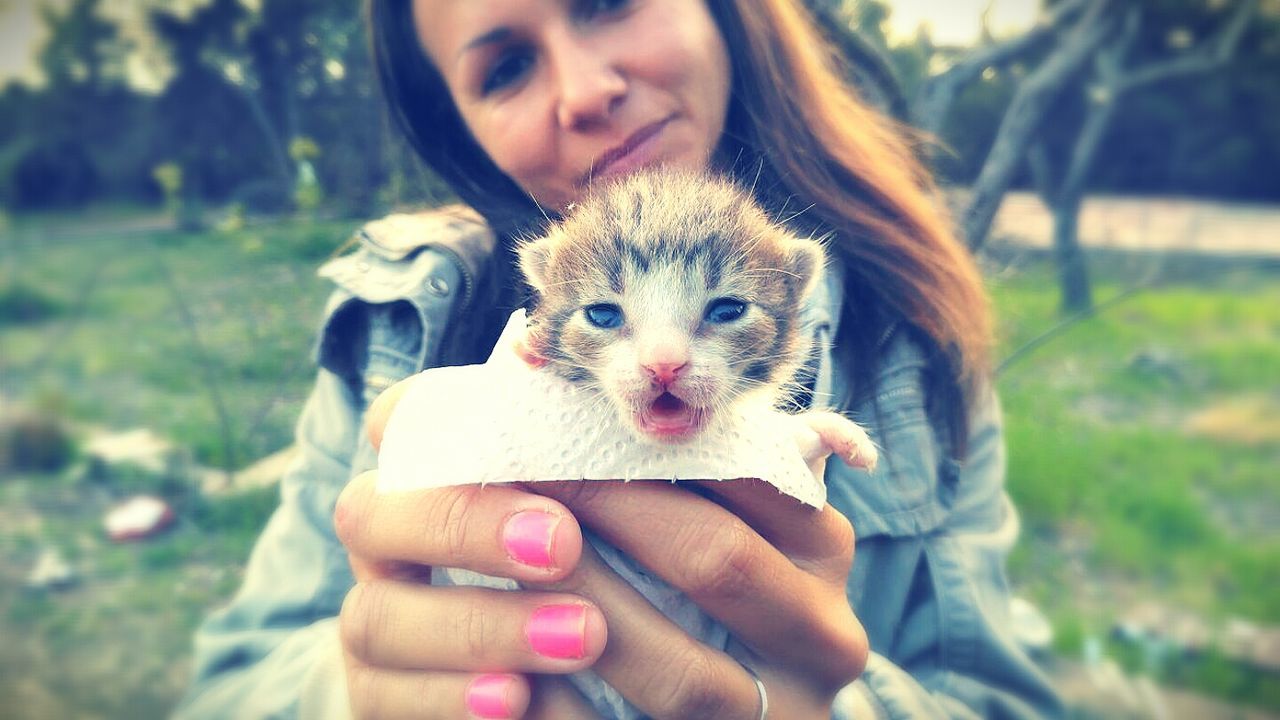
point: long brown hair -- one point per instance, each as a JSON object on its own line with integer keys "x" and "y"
{"x": 797, "y": 133}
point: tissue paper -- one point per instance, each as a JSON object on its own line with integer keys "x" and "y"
{"x": 505, "y": 421}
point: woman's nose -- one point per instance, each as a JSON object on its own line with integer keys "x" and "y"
{"x": 590, "y": 85}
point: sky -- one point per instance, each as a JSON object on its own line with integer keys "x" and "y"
{"x": 957, "y": 22}
{"x": 950, "y": 22}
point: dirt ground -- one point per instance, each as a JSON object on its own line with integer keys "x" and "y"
{"x": 1155, "y": 223}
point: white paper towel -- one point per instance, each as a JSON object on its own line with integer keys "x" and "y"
{"x": 504, "y": 421}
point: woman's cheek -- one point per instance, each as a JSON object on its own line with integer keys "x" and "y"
{"x": 522, "y": 147}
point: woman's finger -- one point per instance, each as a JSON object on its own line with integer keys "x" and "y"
{"x": 555, "y": 699}
{"x": 818, "y": 540}
{"x": 777, "y": 609}
{"x": 375, "y": 418}
{"x": 653, "y": 662}
{"x": 381, "y": 693}
{"x": 496, "y": 530}
{"x": 406, "y": 626}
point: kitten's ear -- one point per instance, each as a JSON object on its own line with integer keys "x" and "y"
{"x": 535, "y": 256}
{"x": 804, "y": 261}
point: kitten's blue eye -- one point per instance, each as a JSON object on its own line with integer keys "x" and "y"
{"x": 723, "y": 310}
{"x": 604, "y": 315}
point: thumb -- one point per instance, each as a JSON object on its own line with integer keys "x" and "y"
{"x": 375, "y": 418}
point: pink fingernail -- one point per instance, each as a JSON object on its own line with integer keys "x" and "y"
{"x": 558, "y": 631}
{"x": 527, "y": 536}
{"x": 487, "y": 696}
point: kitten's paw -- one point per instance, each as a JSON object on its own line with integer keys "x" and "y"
{"x": 844, "y": 438}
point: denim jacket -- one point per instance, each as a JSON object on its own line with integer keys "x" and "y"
{"x": 928, "y": 583}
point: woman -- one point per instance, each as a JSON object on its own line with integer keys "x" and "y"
{"x": 519, "y": 104}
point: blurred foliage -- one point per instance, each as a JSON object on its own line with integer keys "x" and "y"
{"x": 303, "y": 148}
{"x": 241, "y": 514}
{"x": 23, "y": 303}
{"x": 245, "y": 81}
{"x": 1210, "y": 135}
{"x": 1124, "y": 498}
{"x": 34, "y": 442}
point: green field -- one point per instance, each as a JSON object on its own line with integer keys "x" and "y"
{"x": 1143, "y": 446}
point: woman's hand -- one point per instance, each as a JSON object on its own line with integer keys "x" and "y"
{"x": 771, "y": 570}
{"x": 768, "y": 568}
{"x": 413, "y": 650}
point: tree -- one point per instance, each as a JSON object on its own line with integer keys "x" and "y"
{"x": 83, "y": 50}
{"x": 1051, "y": 63}
{"x": 198, "y": 113}
{"x": 1119, "y": 72}
{"x": 56, "y": 135}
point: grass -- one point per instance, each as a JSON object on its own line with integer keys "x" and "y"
{"x": 92, "y": 330}
{"x": 121, "y": 353}
{"x": 116, "y": 643}
{"x": 1140, "y": 454}
{"x": 1125, "y": 497}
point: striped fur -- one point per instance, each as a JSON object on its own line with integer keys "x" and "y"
{"x": 663, "y": 245}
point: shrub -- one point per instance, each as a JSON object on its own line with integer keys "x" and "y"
{"x": 22, "y": 304}
{"x": 33, "y": 442}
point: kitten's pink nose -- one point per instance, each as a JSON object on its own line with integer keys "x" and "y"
{"x": 665, "y": 372}
{"x": 663, "y": 353}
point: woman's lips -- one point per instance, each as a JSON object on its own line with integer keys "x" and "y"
{"x": 639, "y": 150}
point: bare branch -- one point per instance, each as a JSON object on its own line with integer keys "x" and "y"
{"x": 871, "y": 71}
{"x": 1153, "y": 276}
{"x": 1042, "y": 171}
{"x": 1030, "y": 104}
{"x": 205, "y": 360}
{"x": 1102, "y": 107}
{"x": 1067, "y": 323}
{"x": 934, "y": 99}
{"x": 1210, "y": 55}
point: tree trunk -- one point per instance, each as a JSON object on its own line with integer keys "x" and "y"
{"x": 277, "y": 145}
{"x": 1076, "y": 293}
{"x": 1033, "y": 100}
{"x": 191, "y": 198}
{"x": 1073, "y": 266}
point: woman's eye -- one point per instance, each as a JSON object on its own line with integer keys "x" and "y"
{"x": 506, "y": 69}
{"x": 592, "y": 8}
{"x": 604, "y": 315}
{"x": 723, "y": 310}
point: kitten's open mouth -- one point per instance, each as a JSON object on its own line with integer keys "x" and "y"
{"x": 671, "y": 419}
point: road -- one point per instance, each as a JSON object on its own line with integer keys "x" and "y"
{"x": 1149, "y": 223}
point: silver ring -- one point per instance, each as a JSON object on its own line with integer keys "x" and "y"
{"x": 764, "y": 696}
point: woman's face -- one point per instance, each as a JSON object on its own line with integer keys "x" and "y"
{"x": 560, "y": 92}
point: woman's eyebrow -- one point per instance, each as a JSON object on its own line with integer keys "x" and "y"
{"x": 497, "y": 35}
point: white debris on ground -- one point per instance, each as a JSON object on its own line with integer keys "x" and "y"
{"x": 140, "y": 447}
{"x": 138, "y": 517}
{"x": 51, "y": 572}
{"x": 1237, "y": 639}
